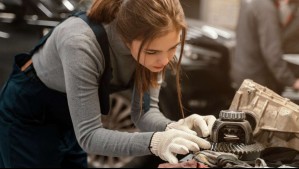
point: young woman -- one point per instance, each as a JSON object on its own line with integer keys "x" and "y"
{"x": 53, "y": 101}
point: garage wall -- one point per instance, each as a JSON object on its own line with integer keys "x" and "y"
{"x": 217, "y": 12}
{"x": 220, "y": 12}
{"x": 191, "y": 8}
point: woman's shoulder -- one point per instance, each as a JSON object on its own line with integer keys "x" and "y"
{"x": 75, "y": 35}
{"x": 74, "y": 27}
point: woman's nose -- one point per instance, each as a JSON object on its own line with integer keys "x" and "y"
{"x": 164, "y": 59}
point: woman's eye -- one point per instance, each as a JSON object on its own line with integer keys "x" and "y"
{"x": 150, "y": 52}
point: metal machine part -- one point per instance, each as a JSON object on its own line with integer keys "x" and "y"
{"x": 232, "y": 133}
{"x": 220, "y": 160}
{"x": 231, "y": 127}
{"x": 244, "y": 152}
{"x": 274, "y": 119}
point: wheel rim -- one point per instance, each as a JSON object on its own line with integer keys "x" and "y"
{"x": 119, "y": 119}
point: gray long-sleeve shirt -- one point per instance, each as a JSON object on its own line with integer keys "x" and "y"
{"x": 71, "y": 61}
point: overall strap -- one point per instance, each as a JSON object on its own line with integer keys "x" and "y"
{"x": 44, "y": 39}
{"x": 41, "y": 43}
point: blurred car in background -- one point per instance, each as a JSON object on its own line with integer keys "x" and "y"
{"x": 206, "y": 87}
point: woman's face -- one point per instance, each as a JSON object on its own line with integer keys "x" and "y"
{"x": 157, "y": 54}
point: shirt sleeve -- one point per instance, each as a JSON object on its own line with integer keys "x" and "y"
{"x": 82, "y": 64}
{"x": 151, "y": 119}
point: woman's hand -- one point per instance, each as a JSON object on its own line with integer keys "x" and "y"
{"x": 194, "y": 124}
{"x": 168, "y": 144}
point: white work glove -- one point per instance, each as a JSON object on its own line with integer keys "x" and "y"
{"x": 194, "y": 124}
{"x": 168, "y": 144}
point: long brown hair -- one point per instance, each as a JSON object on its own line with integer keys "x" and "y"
{"x": 144, "y": 20}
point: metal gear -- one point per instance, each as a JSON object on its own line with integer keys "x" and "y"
{"x": 232, "y": 115}
{"x": 232, "y": 133}
{"x": 244, "y": 152}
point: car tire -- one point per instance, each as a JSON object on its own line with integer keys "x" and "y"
{"x": 119, "y": 119}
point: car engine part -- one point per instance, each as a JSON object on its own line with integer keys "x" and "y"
{"x": 274, "y": 119}
{"x": 232, "y": 133}
{"x": 220, "y": 159}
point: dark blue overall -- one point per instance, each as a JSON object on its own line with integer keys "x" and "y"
{"x": 35, "y": 123}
